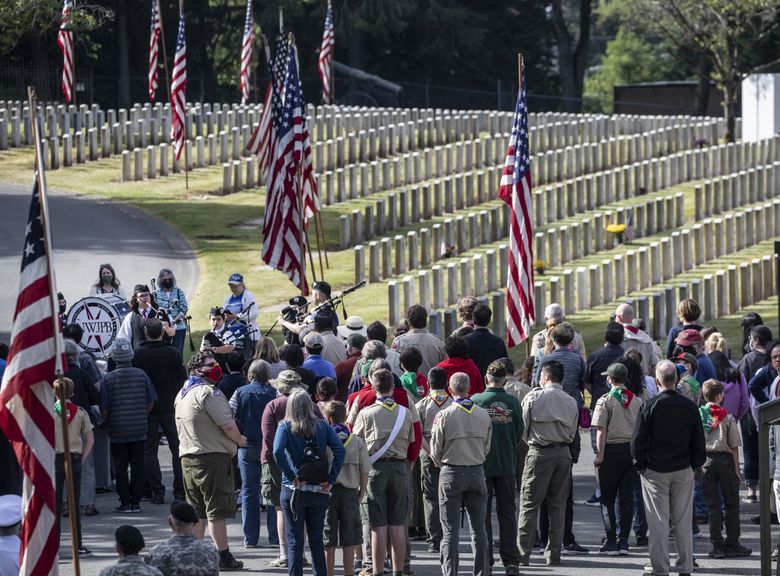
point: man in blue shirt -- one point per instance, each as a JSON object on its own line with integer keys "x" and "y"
{"x": 314, "y": 361}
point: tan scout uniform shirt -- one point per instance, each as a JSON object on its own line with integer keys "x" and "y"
{"x": 430, "y": 346}
{"x": 618, "y": 421}
{"x": 429, "y": 407}
{"x": 724, "y": 437}
{"x": 549, "y": 416}
{"x": 374, "y": 424}
{"x": 461, "y": 436}
{"x": 517, "y": 389}
{"x": 355, "y": 462}
{"x": 200, "y": 414}
{"x": 77, "y": 427}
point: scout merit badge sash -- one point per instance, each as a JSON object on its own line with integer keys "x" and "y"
{"x": 624, "y": 396}
{"x": 389, "y": 404}
{"x": 72, "y": 410}
{"x": 409, "y": 382}
{"x": 465, "y": 404}
{"x": 712, "y": 415}
{"x": 439, "y": 397}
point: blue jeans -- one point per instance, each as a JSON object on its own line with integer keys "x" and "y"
{"x": 249, "y": 464}
{"x": 310, "y": 510}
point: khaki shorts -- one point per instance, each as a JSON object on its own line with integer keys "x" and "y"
{"x": 208, "y": 485}
{"x": 343, "y": 526}
{"x": 388, "y": 493}
{"x": 271, "y": 483}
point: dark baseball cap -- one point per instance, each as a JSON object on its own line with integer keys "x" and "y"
{"x": 497, "y": 368}
{"x": 298, "y": 301}
{"x": 323, "y": 287}
{"x": 236, "y": 278}
{"x": 617, "y": 371}
{"x": 689, "y": 337}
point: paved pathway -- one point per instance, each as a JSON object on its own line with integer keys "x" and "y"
{"x": 98, "y": 536}
{"x": 86, "y": 233}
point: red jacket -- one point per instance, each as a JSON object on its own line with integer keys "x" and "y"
{"x": 467, "y": 366}
{"x": 344, "y": 376}
{"x": 366, "y": 397}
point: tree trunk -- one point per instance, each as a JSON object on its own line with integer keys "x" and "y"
{"x": 703, "y": 71}
{"x": 572, "y": 59}
{"x": 45, "y": 89}
{"x": 124, "y": 58}
{"x": 730, "y": 91}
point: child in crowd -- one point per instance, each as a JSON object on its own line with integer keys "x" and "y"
{"x": 687, "y": 385}
{"x": 326, "y": 391}
{"x": 720, "y": 473}
{"x": 413, "y": 382}
{"x": 78, "y": 425}
{"x": 343, "y": 526}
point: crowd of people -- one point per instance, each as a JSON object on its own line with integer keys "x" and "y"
{"x": 346, "y": 441}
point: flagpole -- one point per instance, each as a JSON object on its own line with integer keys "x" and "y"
{"x": 165, "y": 52}
{"x": 41, "y": 177}
{"x": 520, "y": 64}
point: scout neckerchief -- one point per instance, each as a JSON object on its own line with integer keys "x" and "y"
{"x": 409, "y": 382}
{"x": 712, "y": 415}
{"x": 622, "y": 395}
{"x": 465, "y": 404}
{"x": 439, "y": 397}
{"x": 694, "y": 384}
{"x": 193, "y": 382}
{"x": 342, "y": 432}
{"x": 387, "y": 402}
{"x": 72, "y": 410}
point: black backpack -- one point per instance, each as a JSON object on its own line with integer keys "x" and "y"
{"x": 315, "y": 468}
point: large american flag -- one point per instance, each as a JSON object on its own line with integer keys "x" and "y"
{"x": 65, "y": 42}
{"x": 283, "y": 230}
{"x": 179, "y": 90}
{"x": 26, "y": 395}
{"x": 154, "y": 48}
{"x": 246, "y": 52}
{"x": 325, "y": 65}
{"x": 515, "y": 190}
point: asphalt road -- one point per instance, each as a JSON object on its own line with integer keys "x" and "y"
{"x": 588, "y": 529}
{"x": 87, "y": 232}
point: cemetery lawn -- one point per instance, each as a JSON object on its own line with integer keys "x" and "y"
{"x": 225, "y": 233}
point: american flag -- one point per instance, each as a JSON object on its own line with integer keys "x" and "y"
{"x": 246, "y": 52}
{"x": 260, "y": 142}
{"x": 515, "y": 190}
{"x": 629, "y": 233}
{"x": 154, "y": 47}
{"x": 65, "y": 42}
{"x": 26, "y": 394}
{"x": 279, "y": 68}
{"x": 179, "y": 90}
{"x": 327, "y": 48}
{"x": 283, "y": 230}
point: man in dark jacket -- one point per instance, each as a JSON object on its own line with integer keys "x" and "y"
{"x": 667, "y": 446}
{"x": 484, "y": 346}
{"x": 163, "y": 365}
{"x": 126, "y": 398}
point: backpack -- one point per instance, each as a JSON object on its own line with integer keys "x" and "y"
{"x": 315, "y": 468}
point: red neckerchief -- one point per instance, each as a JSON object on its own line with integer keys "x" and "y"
{"x": 631, "y": 328}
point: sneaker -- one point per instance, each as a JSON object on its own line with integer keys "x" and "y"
{"x": 750, "y": 499}
{"x": 84, "y": 552}
{"x": 305, "y": 561}
{"x": 642, "y": 541}
{"x": 553, "y": 561}
{"x": 573, "y": 549}
{"x": 135, "y": 509}
{"x": 357, "y": 566}
{"x": 593, "y": 501}
{"x": 230, "y": 563}
{"x": 610, "y": 549}
{"x": 278, "y": 563}
{"x": 623, "y": 545}
{"x": 775, "y": 553}
{"x": 122, "y": 508}
{"x": 737, "y": 550}
{"x": 252, "y": 546}
{"x": 388, "y": 566}
{"x": 772, "y": 519}
{"x": 698, "y": 534}
{"x": 90, "y": 510}
{"x": 434, "y": 548}
{"x": 408, "y": 572}
{"x": 717, "y": 552}
{"x": 147, "y": 496}
{"x": 512, "y": 570}
{"x": 158, "y": 499}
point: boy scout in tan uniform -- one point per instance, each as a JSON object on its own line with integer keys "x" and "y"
{"x": 429, "y": 407}
{"x": 550, "y": 423}
{"x": 387, "y": 430}
{"x": 460, "y": 442}
{"x": 614, "y": 418}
